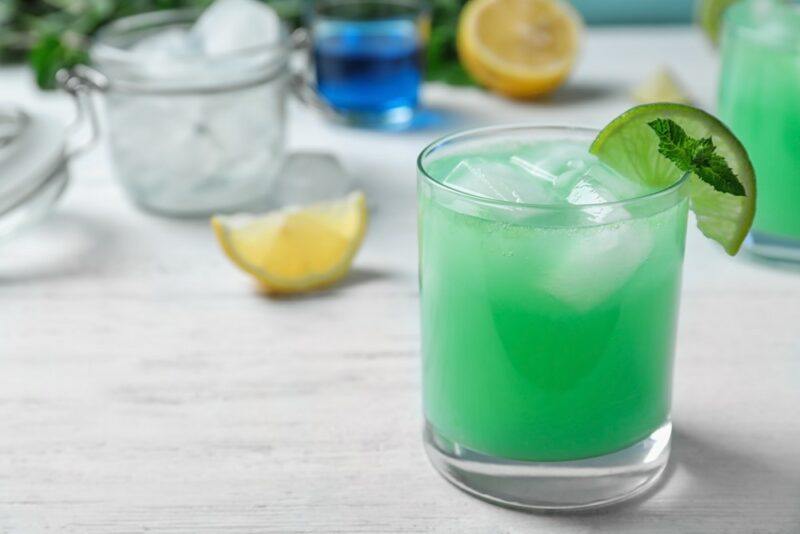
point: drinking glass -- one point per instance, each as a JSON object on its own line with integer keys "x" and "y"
{"x": 548, "y": 332}
{"x": 368, "y": 59}
{"x": 759, "y": 101}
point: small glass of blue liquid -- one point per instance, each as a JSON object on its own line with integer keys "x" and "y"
{"x": 369, "y": 59}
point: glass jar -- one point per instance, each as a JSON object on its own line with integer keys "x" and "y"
{"x": 189, "y": 135}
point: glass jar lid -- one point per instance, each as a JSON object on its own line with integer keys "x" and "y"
{"x": 155, "y": 52}
{"x": 32, "y": 165}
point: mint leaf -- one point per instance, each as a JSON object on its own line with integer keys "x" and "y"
{"x": 697, "y": 156}
{"x": 673, "y": 143}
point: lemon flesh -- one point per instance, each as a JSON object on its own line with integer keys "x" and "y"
{"x": 296, "y": 249}
{"x": 661, "y": 86}
{"x": 519, "y": 48}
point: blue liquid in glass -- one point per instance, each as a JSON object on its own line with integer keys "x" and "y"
{"x": 369, "y": 67}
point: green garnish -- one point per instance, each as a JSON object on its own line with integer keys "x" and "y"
{"x": 628, "y": 145}
{"x": 697, "y": 156}
{"x": 55, "y": 33}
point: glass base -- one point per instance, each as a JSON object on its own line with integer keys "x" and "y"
{"x": 772, "y": 247}
{"x": 572, "y": 485}
{"x": 391, "y": 119}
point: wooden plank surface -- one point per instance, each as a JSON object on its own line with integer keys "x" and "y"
{"x": 146, "y": 387}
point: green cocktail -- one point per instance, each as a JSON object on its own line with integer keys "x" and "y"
{"x": 549, "y": 288}
{"x": 759, "y": 100}
{"x": 550, "y": 266}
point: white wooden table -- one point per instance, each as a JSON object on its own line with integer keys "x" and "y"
{"x": 146, "y": 387}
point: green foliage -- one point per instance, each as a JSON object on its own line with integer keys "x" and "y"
{"x": 698, "y": 156}
{"x": 53, "y": 34}
{"x": 443, "y": 64}
{"x": 52, "y": 52}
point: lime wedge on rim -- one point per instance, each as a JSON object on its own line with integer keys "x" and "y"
{"x": 629, "y": 146}
{"x": 709, "y": 15}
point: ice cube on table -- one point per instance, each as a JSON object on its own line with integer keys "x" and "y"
{"x": 311, "y": 177}
{"x": 497, "y": 180}
{"x": 233, "y": 25}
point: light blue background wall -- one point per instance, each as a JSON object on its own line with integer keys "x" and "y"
{"x": 633, "y": 11}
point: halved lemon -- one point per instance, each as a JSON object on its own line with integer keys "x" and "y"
{"x": 519, "y": 48}
{"x": 296, "y": 249}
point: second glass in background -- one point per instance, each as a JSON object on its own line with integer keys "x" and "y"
{"x": 368, "y": 59}
{"x": 759, "y": 101}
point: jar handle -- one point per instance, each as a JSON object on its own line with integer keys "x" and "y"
{"x": 80, "y": 82}
{"x": 300, "y": 80}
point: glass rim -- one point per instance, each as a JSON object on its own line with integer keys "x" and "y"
{"x": 489, "y": 130}
{"x": 102, "y": 50}
{"x": 415, "y": 8}
{"x": 735, "y": 24}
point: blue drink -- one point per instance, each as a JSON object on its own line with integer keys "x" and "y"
{"x": 368, "y": 58}
{"x": 371, "y": 67}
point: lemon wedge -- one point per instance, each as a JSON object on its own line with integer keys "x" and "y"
{"x": 296, "y": 249}
{"x": 661, "y": 86}
{"x": 519, "y": 48}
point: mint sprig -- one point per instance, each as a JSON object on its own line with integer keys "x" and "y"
{"x": 697, "y": 156}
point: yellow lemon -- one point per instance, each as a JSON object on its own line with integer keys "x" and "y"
{"x": 296, "y": 249}
{"x": 661, "y": 86}
{"x": 519, "y": 48}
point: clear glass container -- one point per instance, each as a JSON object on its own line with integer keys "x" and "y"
{"x": 190, "y": 135}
